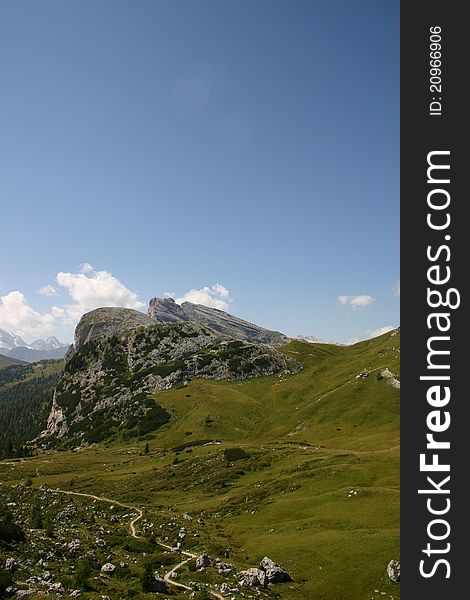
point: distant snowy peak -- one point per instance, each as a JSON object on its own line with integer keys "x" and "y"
{"x": 8, "y": 341}
{"x": 14, "y": 346}
{"x": 52, "y": 343}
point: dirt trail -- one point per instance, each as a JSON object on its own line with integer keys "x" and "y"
{"x": 168, "y": 576}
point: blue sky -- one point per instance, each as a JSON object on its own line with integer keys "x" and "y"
{"x": 171, "y": 146}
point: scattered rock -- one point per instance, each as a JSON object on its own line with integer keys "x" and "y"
{"x": 203, "y": 561}
{"x": 25, "y": 593}
{"x": 225, "y": 568}
{"x": 187, "y": 517}
{"x": 393, "y": 570}
{"x": 252, "y": 577}
{"x": 108, "y": 568}
{"x": 392, "y": 380}
{"x": 11, "y": 564}
{"x": 200, "y": 522}
{"x": 274, "y": 572}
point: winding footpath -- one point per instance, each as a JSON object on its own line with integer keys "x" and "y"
{"x": 132, "y": 523}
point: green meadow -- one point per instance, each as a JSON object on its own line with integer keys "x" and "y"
{"x": 302, "y": 468}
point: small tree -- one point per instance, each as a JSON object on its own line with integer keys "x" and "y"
{"x": 146, "y": 578}
{"x": 82, "y": 572}
{"x": 5, "y": 580}
{"x": 36, "y": 517}
{"x": 146, "y": 449}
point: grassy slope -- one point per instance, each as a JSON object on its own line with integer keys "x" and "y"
{"x": 6, "y": 361}
{"x": 313, "y": 438}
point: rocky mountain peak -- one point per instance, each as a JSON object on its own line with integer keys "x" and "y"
{"x": 166, "y": 310}
{"x": 107, "y": 322}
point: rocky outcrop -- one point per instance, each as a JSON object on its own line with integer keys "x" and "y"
{"x": 393, "y": 570}
{"x": 252, "y": 577}
{"x": 392, "y": 380}
{"x": 203, "y": 561}
{"x": 108, "y": 568}
{"x": 274, "y": 572}
{"x": 107, "y": 322}
{"x": 165, "y": 310}
{"x": 117, "y": 364}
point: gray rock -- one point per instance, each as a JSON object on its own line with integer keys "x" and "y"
{"x": 274, "y": 572}
{"x": 200, "y": 521}
{"x": 393, "y": 570}
{"x": 225, "y": 568}
{"x": 165, "y": 310}
{"x": 252, "y": 577}
{"x": 108, "y": 568}
{"x": 11, "y": 564}
{"x": 106, "y": 322}
{"x": 203, "y": 561}
{"x": 187, "y": 517}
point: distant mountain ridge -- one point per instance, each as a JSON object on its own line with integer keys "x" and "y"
{"x": 14, "y": 346}
{"x": 166, "y": 310}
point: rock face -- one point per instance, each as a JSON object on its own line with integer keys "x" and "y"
{"x": 165, "y": 310}
{"x": 117, "y": 363}
{"x": 393, "y": 570}
{"x": 274, "y": 572}
{"x": 107, "y": 322}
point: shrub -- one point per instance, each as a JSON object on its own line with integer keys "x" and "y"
{"x": 5, "y": 580}
{"x": 234, "y": 454}
{"x": 9, "y": 531}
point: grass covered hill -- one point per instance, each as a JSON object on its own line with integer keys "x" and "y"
{"x": 301, "y": 468}
{"x": 7, "y": 361}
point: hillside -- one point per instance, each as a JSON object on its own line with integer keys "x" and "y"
{"x": 120, "y": 358}
{"x": 7, "y": 361}
{"x": 302, "y": 468}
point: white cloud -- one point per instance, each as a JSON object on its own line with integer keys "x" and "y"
{"x": 356, "y": 301}
{"x": 18, "y": 317}
{"x": 396, "y": 289}
{"x": 92, "y": 289}
{"x": 217, "y": 296}
{"x": 380, "y": 331}
{"x": 86, "y": 268}
{"x": 47, "y": 290}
